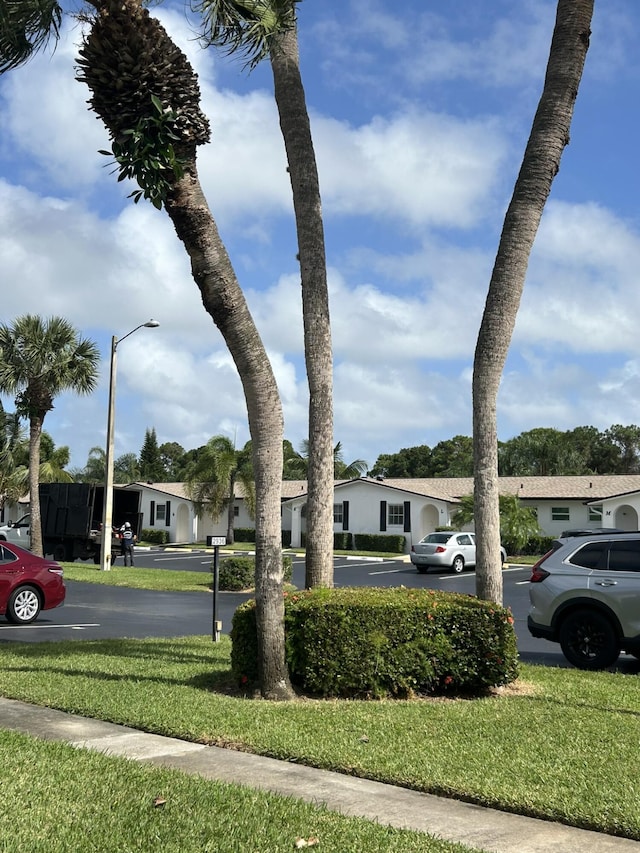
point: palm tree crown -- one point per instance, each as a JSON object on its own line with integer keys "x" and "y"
{"x": 39, "y": 359}
{"x": 248, "y": 27}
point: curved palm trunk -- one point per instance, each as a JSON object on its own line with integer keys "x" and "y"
{"x": 224, "y": 301}
{"x": 35, "y": 432}
{"x": 296, "y": 132}
{"x": 549, "y": 135}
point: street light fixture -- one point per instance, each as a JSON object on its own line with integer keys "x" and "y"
{"x": 107, "y": 513}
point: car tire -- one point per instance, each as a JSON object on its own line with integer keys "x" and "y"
{"x": 588, "y": 640}
{"x": 59, "y": 552}
{"x": 422, "y": 570}
{"x": 24, "y": 605}
{"x": 458, "y": 564}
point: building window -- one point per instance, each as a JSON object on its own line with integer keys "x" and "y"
{"x": 337, "y": 514}
{"x": 595, "y": 513}
{"x": 236, "y": 511}
{"x": 395, "y": 514}
{"x": 560, "y": 513}
{"x": 160, "y": 512}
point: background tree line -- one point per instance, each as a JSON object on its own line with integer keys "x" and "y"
{"x": 539, "y": 452}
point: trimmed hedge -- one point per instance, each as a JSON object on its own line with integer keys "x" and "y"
{"x": 238, "y": 573}
{"x": 373, "y": 643}
{"x": 342, "y": 542}
{"x": 156, "y": 537}
{"x": 386, "y": 543}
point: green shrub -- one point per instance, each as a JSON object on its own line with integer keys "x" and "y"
{"x": 342, "y": 541}
{"x": 237, "y": 573}
{"x": 539, "y": 544}
{"x": 371, "y": 643}
{"x": 387, "y": 544}
{"x": 244, "y": 534}
{"x": 156, "y": 537}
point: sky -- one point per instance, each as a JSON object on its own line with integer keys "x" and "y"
{"x": 419, "y": 124}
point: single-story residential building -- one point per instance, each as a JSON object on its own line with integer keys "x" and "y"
{"x": 411, "y": 507}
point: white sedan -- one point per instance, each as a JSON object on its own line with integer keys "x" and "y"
{"x": 447, "y": 550}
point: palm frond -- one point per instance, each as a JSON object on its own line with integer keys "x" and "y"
{"x": 25, "y": 27}
{"x": 246, "y": 27}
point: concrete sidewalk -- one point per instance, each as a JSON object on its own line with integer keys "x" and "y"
{"x": 481, "y": 828}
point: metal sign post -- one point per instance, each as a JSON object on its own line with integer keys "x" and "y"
{"x": 216, "y": 541}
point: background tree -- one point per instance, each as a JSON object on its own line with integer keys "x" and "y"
{"x": 12, "y": 444}
{"x": 541, "y": 162}
{"x": 625, "y": 440}
{"x": 126, "y": 469}
{"x": 211, "y": 481}
{"x": 172, "y": 459}
{"x": 453, "y": 457}
{"x": 150, "y": 461}
{"x": 39, "y": 360}
{"x": 257, "y": 29}
{"x": 408, "y": 462}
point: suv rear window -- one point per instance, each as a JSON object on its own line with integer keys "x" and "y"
{"x": 593, "y": 555}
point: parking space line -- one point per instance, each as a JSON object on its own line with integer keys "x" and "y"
{"x": 76, "y": 625}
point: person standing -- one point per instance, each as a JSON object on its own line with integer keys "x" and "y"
{"x": 128, "y": 541}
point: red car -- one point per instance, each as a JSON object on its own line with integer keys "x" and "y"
{"x": 28, "y": 584}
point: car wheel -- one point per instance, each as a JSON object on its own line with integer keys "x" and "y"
{"x": 458, "y": 564}
{"x": 59, "y": 553}
{"x": 422, "y": 570}
{"x": 23, "y": 605}
{"x": 588, "y": 640}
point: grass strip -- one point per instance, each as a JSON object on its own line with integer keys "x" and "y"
{"x": 562, "y": 746}
{"x": 63, "y": 800}
{"x": 165, "y": 580}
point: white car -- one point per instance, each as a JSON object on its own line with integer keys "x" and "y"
{"x": 447, "y": 550}
{"x": 18, "y": 532}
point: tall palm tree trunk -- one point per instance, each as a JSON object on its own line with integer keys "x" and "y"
{"x": 224, "y": 301}
{"x": 549, "y": 135}
{"x": 296, "y": 132}
{"x": 35, "y": 433}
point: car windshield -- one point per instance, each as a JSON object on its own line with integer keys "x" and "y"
{"x": 438, "y": 538}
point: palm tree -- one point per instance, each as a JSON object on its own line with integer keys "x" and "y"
{"x": 147, "y": 94}
{"x": 257, "y": 29}
{"x": 39, "y": 360}
{"x": 541, "y": 161}
{"x": 12, "y": 442}
{"x": 211, "y": 480}
{"x": 297, "y": 464}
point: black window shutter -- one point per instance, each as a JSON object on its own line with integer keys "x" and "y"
{"x": 345, "y": 515}
{"x": 383, "y": 515}
{"x": 167, "y": 515}
{"x": 407, "y": 516}
{"x": 152, "y": 514}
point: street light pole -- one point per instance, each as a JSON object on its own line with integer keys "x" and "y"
{"x": 107, "y": 512}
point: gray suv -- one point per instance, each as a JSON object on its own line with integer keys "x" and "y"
{"x": 585, "y": 595}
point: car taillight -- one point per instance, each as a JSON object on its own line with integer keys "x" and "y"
{"x": 538, "y": 574}
{"x": 440, "y": 549}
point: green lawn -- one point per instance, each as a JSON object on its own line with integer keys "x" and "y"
{"x": 562, "y": 744}
{"x": 58, "y": 799}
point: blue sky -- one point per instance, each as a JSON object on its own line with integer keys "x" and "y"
{"x": 419, "y": 126}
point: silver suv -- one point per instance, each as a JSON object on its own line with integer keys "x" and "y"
{"x": 585, "y": 595}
